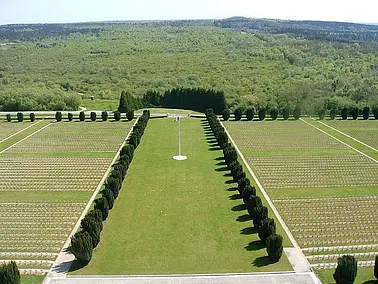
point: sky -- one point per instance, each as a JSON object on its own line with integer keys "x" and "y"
{"x": 64, "y": 11}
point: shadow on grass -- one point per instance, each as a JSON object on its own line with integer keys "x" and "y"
{"x": 77, "y": 265}
{"x": 214, "y": 148}
{"x": 262, "y": 261}
{"x": 227, "y": 175}
{"x": 249, "y": 231}
{"x": 212, "y": 144}
{"x": 253, "y": 246}
{"x": 219, "y": 159}
{"x": 230, "y": 181}
{"x": 370, "y": 282}
{"x": 222, "y": 169}
{"x": 221, "y": 164}
{"x": 244, "y": 218}
{"x": 239, "y": 207}
{"x": 235, "y": 196}
{"x": 232, "y": 189}
{"x": 211, "y": 139}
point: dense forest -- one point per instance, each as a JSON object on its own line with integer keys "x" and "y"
{"x": 262, "y": 63}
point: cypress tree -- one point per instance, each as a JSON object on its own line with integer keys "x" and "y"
{"x": 286, "y": 113}
{"x": 366, "y": 112}
{"x": 268, "y": 228}
{"x": 20, "y": 117}
{"x": 117, "y": 116}
{"x": 274, "y": 113}
{"x": 321, "y": 113}
{"x": 250, "y": 113}
{"x": 238, "y": 114}
{"x": 274, "y": 247}
{"x": 93, "y": 116}
{"x": 82, "y": 246}
{"x": 104, "y": 115}
{"x": 346, "y": 270}
{"x": 70, "y": 116}
{"x": 226, "y": 114}
{"x": 108, "y": 194}
{"x": 130, "y": 115}
{"x": 82, "y": 116}
{"x": 262, "y": 113}
{"x": 32, "y": 116}
{"x": 297, "y": 112}
{"x": 344, "y": 113}
{"x": 58, "y": 116}
{"x": 102, "y": 205}
{"x": 355, "y": 112}
{"x": 376, "y": 267}
{"x": 9, "y": 118}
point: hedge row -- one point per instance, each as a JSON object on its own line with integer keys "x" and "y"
{"x": 93, "y": 116}
{"x": 258, "y": 212}
{"x": 9, "y": 273}
{"x": 84, "y": 241}
{"x": 261, "y": 113}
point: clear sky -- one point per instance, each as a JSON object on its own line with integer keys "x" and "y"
{"x": 61, "y": 11}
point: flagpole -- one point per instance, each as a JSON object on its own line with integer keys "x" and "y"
{"x": 179, "y": 157}
{"x": 179, "y": 137}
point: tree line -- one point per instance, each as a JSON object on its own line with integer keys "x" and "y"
{"x": 196, "y": 99}
{"x": 261, "y": 113}
{"x": 257, "y": 211}
{"x": 87, "y": 239}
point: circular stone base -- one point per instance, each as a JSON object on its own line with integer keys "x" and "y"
{"x": 180, "y": 158}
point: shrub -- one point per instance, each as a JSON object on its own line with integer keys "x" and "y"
{"x": 117, "y": 116}
{"x": 297, "y": 112}
{"x": 104, "y": 116}
{"x": 332, "y": 114}
{"x": 262, "y": 113}
{"x": 346, "y": 270}
{"x": 108, "y": 194}
{"x": 82, "y": 246}
{"x": 226, "y": 114}
{"x": 274, "y": 247}
{"x": 260, "y": 214}
{"x": 238, "y": 114}
{"x": 130, "y": 115}
{"x": 102, "y": 205}
{"x": 376, "y": 267}
{"x": 321, "y": 114}
{"x": 355, "y": 113}
{"x": 250, "y": 113}
{"x": 375, "y": 112}
{"x": 92, "y": 223}
{"x": 366, "y": 112}
{"x": 344, "y": 113}
{"x": 253, "y": 202}
{"x": 9, "y": 118}
{"x": 82, "y": 116}
{"x": 9, "y": 274}
{"x": 58, "y": 116}
{"x": 268, "y": 228}
{"x": 20, "y": 117}
{"x": 274, "y": 113}
{"x": 286, "y": 113}
{"x": 93, "y": 116}
{"x": 32, "y": 116}
{"x": 70, "y": 116}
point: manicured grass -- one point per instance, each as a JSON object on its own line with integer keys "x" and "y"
{"x": 32, "y": 279}
{"x": 365, "y": 275}
{"x": 179, "y": 216}
{"x": 7, "y": 143}
{"x": 159, "y": 110}
{"x": 98, "y": 104}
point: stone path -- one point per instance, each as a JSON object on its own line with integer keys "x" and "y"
{"x": 268, "y": 278}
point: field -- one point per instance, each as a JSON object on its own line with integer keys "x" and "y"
{"x": 325, "y": 191}
{"x": 178, "y": 216}
{"x": 46, "y": 181}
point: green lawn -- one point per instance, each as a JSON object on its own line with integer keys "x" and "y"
{"x": 98, "y": 104}
{"x": 32, "y": 279}
{"x": 178, "y": 216}
{"x": 365, "y": 275}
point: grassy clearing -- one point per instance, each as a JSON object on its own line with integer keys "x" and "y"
{"x": 97, "y": 104}
{"x": 32, "y": 279}
{"x": 178, "y": 216}
{"x": 169, "y": 110}
{"x": 365, "y": 275}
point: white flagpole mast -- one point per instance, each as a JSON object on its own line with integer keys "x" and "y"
{"x": 179, "y": 157}
{"x": 179, "y": 137}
